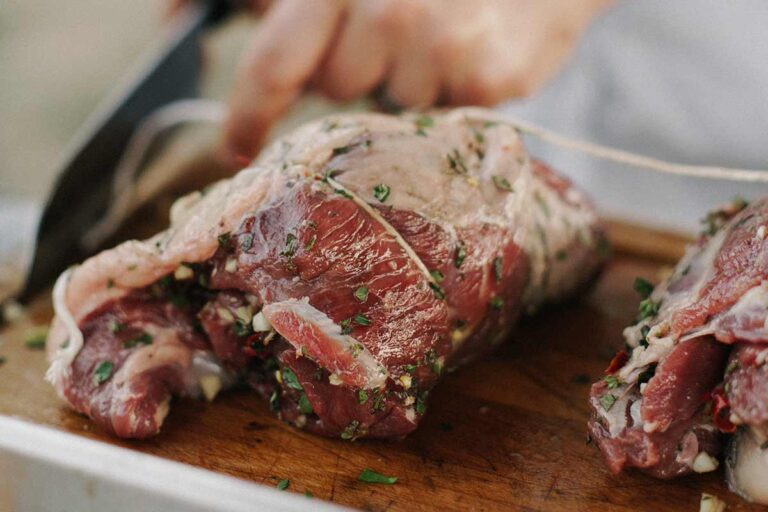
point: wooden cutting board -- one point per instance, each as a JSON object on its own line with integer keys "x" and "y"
{"x": 505, "y": 433}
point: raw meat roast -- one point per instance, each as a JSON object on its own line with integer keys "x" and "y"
{"x": 339, "y": 276}
{"x": 697, "y": 363}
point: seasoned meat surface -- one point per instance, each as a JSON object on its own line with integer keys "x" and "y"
{"x": 340, "y": 276}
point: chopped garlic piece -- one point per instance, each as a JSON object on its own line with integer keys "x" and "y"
{"x": 710, "y": 503}
{"x": 260, "y": 323}
{"x": 279, "y": 376}
{"x": 334, "y": 380}
{"x": 761, "y": 233}
{"x": 12, "y": 311}
{"x": 704, "y": 463}
{"x": 231, "y": 265}
{"x": 183, "y": 272}
{"x": 410, "y": 400}
{"x": 211, "y": 385}
{"x": 225, "y": 314}
{"x": 406, "y": 381}
{"x": 244, "y": 314}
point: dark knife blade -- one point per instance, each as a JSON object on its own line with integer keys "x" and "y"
{"x": 79, "y": 199}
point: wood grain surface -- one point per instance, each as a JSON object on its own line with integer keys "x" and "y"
{"x": 507, "y": 433}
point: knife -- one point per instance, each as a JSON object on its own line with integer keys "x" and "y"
{"x": 169, "y": 71}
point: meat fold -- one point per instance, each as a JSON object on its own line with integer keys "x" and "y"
{"x": 340, "y": 276}
{"x": 696, "y": 371}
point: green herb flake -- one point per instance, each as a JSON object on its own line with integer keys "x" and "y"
{"x": 370, "y": 476}
{"x": 644, "y": 330}
{"x": 460, "y": 254}
{"x": 115, "y": 327}
{"x": 378, "y": 400}
{"x": 102, "y": 372}
{"x": 607, "y": 401}
{"x": 342, "y": 150}
{"x": 456, "y": 162}
{"x": 502, "y": 183}
{"x": 362, "y": 396}
{"x": 310, "y": 243}
{"x": 224, "y": 239}
{"x": 542, "y": 204}
{"x": 350, "y": 431}
{"x": 361, "y": 293}
{"x": 361, "y": 319}
{"x": 497, "y": 303}
{"x": 36, "y": 340}
{"x": 274, "y": 401}
{"x": 246, "y": 242}
{"x": 110, "y": 283}
{"x": 283, "y": 484}
{"x": 421, "y": 402}
{"x": 648, "y": 309}
{"x": 309, "y": 494}
{"x": 290, "y": 379}
{"x": 381, "y": 192}
{"x": 437, "y": 275}
{"x": 291, "y": 243}
{"x": 142, "y": 339}
{"x": 498, "y": 266}
{"x": 612, "y": 381}
{"x": 410, "y": 368}
{"x": 3, "y": 360}
{"x": 343, "y": 193}
{"x": 433, "y": 362}
{"x": 643, "y": 287}
{"x": 423, "y": 122}
{"x": 561, "y": 255}
{"x": 346, "y": 326}
{"x": 242, "y": 329}
{"x": 437, "y": 290}
{"x": 304, "y": 406}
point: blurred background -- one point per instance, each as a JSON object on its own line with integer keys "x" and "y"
{"x": 684, "y": 81}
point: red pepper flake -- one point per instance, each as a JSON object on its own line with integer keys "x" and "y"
{"x": 721, "y": 412}
{"x": 618, "y": 361}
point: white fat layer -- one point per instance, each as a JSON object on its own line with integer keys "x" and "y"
{"x": 376, "y": 374}
{"x": 747, "y": 467}
{"x": 63, "y": 356}
{"x": 752, "y": 305}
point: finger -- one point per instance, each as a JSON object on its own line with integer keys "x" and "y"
{"x": 283, "y": 54}
{"x": 414, "y": 81}
{"x": 358, "y": 60}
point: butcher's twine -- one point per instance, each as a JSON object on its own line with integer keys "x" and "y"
{"x": 200, "y": 110}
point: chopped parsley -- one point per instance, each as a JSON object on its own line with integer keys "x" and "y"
{"x": 423, "y": 122}
{"x": 350, "y": 431}
{"x": 421, "y": 402}
{"x": 460, "y": 254}
{"x": 283, "y": 484}
{"x": 242, "y": 329}
{"x": 433, "y": 362}
{"x": 644, "y": 330}
{"x": 612, "y": 381}
{"x": 341, "y": 150}
{"x": 361, "y": 293}
{"x": 3, "y": 360}
{"x": 648, "y": 309}
{"x": 343, "y": 193}
{"x": 362, "y": 396}
{"x": 142, "y": 339}
{"x": 497, "y": 303}
{"x": 290, "y": 379}
{"x": 361, "y": 319}
{"x": 304, "y": 406}
{"x": 437, "y": 275}
{"x": 114, "y": 326}
{"x": 274, "y": 401}
{"x": 498, "y": 265}
{"x": 437, "y": 290}
{"x": 291, "y": 242}
{"x": 456, "y": 162}
{"x": 246, "y": 242}
{"x": 643, "y": 287}
{"x": 502, "y": 183}
{"x": 370, "y": 476}
{"x": 410, "y": 368}
{"x": 346, "y": 326}
{"x": 110, "y": 283}
{"x": 381, "y": 192}
{"x": 224, "y": 239}
{"x": 36, "y": 340}
{"x": 102, "y": 372}
{"x": 378, "y": 400}
{"x": 310, "y": 243}
{"x": 607, "y": 401}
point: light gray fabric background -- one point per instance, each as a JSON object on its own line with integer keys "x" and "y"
{"x": 681, "y": 80}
